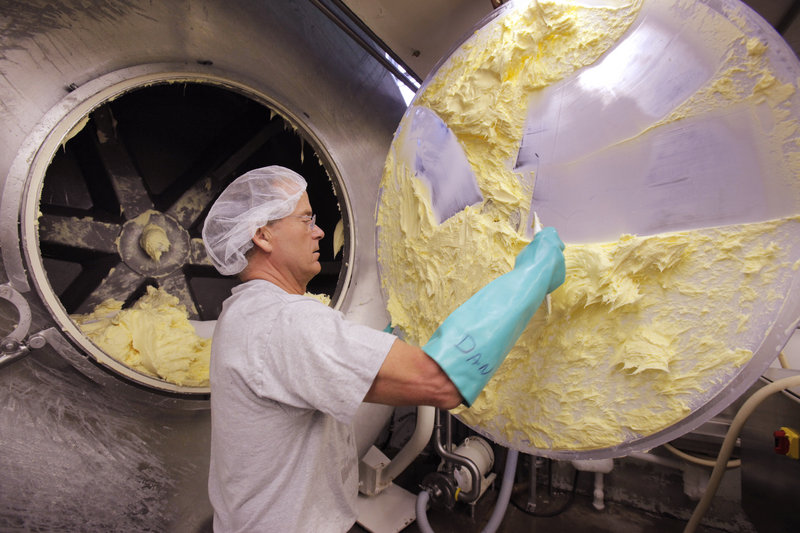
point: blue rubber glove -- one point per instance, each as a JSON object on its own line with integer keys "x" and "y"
{"x": 472, "y": 342}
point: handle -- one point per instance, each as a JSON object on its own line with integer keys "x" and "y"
{"x": 13, "y": 346}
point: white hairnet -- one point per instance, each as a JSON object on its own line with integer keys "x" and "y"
{"x": 249, "y": 202}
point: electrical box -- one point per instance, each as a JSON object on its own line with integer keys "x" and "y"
{"x": 770, "y": 447}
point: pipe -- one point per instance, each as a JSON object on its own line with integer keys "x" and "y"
{"x": 505, "y": 493}
{"x": 656, "y": 459}
{"x": 599, "y": 467}
{"x": 448, "y": 433}
{"x": 599, "y": 495}
{"x": 728, "y": 444}
{"x": 447, "y": 455}
{"x": 531, "y": 505}
{"x": 419, "y": 439}
{"x": 698, "y": 460}
{"x": 499, "y": 510}
{"x": 422, "y": 512}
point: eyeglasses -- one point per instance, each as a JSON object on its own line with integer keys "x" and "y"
{"x": 311, "y": 220}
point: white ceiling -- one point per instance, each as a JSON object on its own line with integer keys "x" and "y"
{"x": 420, "y": 32}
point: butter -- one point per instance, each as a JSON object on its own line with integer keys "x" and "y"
{"x": 154, "y": 241}
{"x": 338, "y": 237}
{"x": 154, "y": 337}
{"x": 322, "y": 298}
{"x": 645, "y": 328}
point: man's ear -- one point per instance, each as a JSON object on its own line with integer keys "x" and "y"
{"x": 263, "y": 239}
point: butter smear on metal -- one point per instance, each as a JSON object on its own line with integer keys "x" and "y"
{"x": 644, "y": 325}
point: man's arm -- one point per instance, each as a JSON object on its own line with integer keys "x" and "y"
{"x": 409, "y": 377}
{"x": 472, "y": 342}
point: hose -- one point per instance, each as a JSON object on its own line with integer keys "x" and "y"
{"x": 422, "y": 512}
{"x": 707, "y": 462}
{"x": 499, "y": 510}
{"x": 728, "y": 444}
{"x": 698, "y": 460}
{"x": 505, "y": 493}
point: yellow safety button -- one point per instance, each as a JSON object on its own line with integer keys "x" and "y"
{"x": 787, "y": 442}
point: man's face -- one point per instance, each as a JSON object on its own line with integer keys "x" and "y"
{"x": 295, "y": 244}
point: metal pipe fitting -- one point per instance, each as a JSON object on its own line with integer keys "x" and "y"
{"x": 445, "y": 453}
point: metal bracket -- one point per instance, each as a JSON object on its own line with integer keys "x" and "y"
{"x": 14, "y": 346}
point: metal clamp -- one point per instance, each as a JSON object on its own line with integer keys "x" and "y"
{"x": 14, "y": 346}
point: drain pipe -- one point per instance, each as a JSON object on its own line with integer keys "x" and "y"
{"x": 599, "y": 467}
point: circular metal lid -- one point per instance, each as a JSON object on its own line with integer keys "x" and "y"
{"x": 660, "y": 140}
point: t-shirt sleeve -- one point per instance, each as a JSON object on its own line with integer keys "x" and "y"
{"x": 314, "y": 358}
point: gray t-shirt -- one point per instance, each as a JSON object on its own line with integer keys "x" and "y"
{"x": 287, "y": 376}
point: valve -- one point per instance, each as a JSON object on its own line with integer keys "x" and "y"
{"x": 442, "y": 488}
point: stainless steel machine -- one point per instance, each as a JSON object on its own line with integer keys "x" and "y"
{"x": 113, "y": 109}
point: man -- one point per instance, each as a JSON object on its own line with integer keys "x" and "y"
{"x": 288, "y": 373}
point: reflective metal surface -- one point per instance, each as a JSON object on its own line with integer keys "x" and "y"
{"x": 157, "y": 148}
{"x": 88, "y": 445}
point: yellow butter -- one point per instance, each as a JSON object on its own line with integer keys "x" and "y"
{"x": 154, "y": 336}
{"x": 645, "y": 327}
